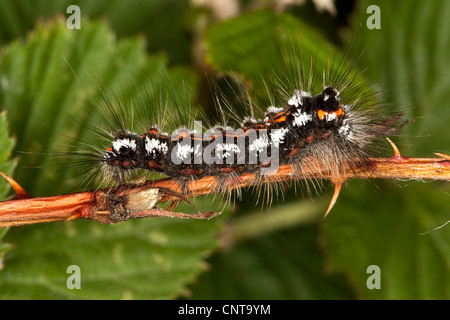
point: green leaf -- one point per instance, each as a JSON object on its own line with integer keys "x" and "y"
{"x": 126, "y": 19}
{"x": 152, "y": 259}
{"x": 245, "y": 43}
{"x": 53, "y": 74}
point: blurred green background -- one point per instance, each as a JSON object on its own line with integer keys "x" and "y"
{"x": 48, "y": 71}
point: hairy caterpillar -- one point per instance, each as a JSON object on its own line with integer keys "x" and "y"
{"x": 333, "y": 125}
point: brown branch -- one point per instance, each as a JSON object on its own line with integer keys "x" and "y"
{"x": 112, "y": 205}
{"x": 107, "y": 206}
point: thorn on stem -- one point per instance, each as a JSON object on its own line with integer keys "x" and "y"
{"x": 337, "y": 189}
{"x": 20, "y": 192}
{"x": 397, "y": 155}
{"x": 443, "y": 155}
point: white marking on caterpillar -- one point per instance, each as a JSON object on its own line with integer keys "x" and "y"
{"x": 248, "y": 120}
{"x": 228, "y": 148}
{"x": 337, "y": 93}
{"x": 153, "y": 145}
{"x": 198, "y": 150}
{"x": 183, "y": 151}
{"x": 125, "y": 142}
{"x": 301, "y": 118}
{"x": 273, "y": 109}
{"x": 330, "y": 116}
{"x": 259, "y": 144}
{"x": 296, "y": 99}
{"x": 277, "y": 135}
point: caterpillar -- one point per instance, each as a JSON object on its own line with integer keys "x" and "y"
{"x": 333, "y": 128}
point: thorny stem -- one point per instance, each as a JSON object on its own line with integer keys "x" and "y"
{"x": 113, "y": 205}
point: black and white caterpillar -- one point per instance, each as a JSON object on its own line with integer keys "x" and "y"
{"x": 334, "y": 128}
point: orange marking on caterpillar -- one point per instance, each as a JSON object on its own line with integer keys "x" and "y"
{"x": 266, "y": 165}
{"x": 279, "y": 120}
{"x": 153, "y": 164}
{"x": 188, "y": 172}
{"x": 227, "y": 170}
{"x": 321, "y": 114}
